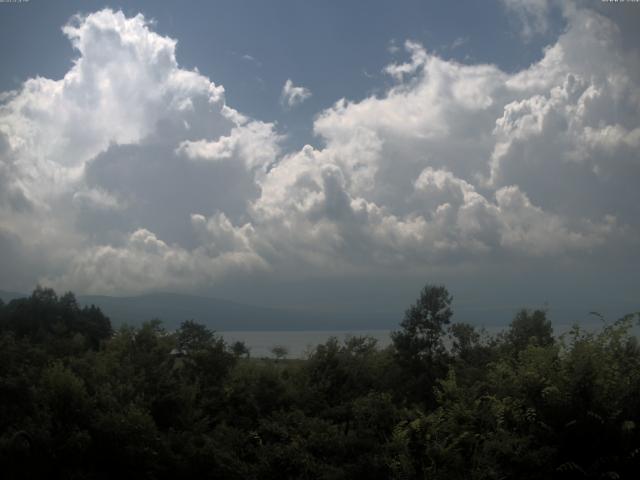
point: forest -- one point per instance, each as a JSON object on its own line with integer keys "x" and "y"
{"x": 82, "y": 400}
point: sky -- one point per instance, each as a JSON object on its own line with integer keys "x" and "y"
{"x": 331, "y": 156}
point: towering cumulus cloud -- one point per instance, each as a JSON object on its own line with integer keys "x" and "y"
{"x": 92, "y": 161}
{"x": 132, "y": 174}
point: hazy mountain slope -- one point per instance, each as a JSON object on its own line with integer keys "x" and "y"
{"x": 173, "y": 309}
{"x": 6, "y": 297}
{"x": 218, "y": 314}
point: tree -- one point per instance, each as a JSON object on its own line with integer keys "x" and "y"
{"x": 419, "y": 347}
{"x": 192, "y": 336}
{"x": 240, "y": 349}
{"x": 207, "y": 359}
{"x": 423, "y": 324}
{"x": 465, "y": 338}
{"x": 529, "y": 327}
{"x": 279, "y": 351}
{"x": 58, "y": 323}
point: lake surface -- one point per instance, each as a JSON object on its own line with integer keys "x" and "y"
{"x": 300, "y": 342}
{"x": 297, "y": 342}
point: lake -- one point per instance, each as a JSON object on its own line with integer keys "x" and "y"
{"x": 297, "y": 342}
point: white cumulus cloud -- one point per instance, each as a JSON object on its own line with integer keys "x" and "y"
{"x": 132, "y": 174}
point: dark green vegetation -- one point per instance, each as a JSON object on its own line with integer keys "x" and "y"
{"x": 78, "y": 400}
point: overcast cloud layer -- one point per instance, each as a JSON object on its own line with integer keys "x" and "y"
{"x": 131, "y": 174}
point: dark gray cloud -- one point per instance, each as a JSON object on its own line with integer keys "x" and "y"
{"x": 162, "y": 189}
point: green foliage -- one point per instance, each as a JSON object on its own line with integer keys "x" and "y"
{"x": 419, "y": 345}
{"x": 529, "y": 328}
{"x": 279, "y": 351}
{"x": 424, "y": 323}
{"x": 240, "y": 349}
{"x": 58, "y": 323}
{"x": 80, "y": 401}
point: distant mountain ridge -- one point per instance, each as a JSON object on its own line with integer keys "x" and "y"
{"x": 217, "y": 314}
{"x": 8, "y": 296}
{"x": 226, "y": 315}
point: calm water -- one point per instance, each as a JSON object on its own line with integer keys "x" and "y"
{"x": 297, "y": 342}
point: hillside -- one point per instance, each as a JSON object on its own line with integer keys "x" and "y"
{"x": 217, "y": 314}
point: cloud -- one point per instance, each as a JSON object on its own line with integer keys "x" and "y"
{"x": 97, "y": 198}
{"x": 454, "y": 162}
{"x": 292, "y": 95}
{"x": 91, "y": 157}
{"x": 124, "y": 82}
{"x": 418, "y": 58}
{"x": 165, "y": 186}
{"x": 251, "y": 59}
{"x": 532, "y": 16}
{"x": 145, "y": 263}
{"x": 255, "y": 142}
{"x": 458, "y": 42}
